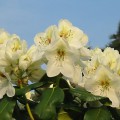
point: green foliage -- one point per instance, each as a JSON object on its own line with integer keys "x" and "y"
{"x": 115, "y": 43}
{"x": 63, "y": 116}
{"x": 84, "y": 95}
{"x": 98, "y": 114}
{"x": 50, "y": 99}
{"x": 6, "y": 108}
{"x": 61, "y": 102}
{"x": 22, "y": 91}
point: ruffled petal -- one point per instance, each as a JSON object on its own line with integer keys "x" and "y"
{"x": 2, "y": 92}
{"x": 67, "y": 68}
{"x": 113, "y": 97}
{"x": 53, "y": 69}
{"x": 10, "y": 90}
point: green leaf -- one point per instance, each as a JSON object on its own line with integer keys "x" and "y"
{"x": 50, "y": 99}
{"x": 22, "y": 91}
{"x": 6, "y": 108}
{"x": 63, "y": 116}
{"x": 72, "y": 106}
{"x": 84, "y": 95}
{"x": 98, "y": 114}
{"x": 115, "y": 113}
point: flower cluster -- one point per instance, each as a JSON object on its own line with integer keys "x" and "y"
{"x": 63, "y": 49}
{"x": 17, "y": 63}
{"x": 101, "y": 75}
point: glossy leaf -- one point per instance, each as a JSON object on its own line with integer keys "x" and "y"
{"x": 63, "y": 116}
{"x": 50, "y": 99}
{"x": 6, "y": 108}
{"x": 22, "y": 91}
{"x": 84, "y": 95}
{"x": 98, "y": 114}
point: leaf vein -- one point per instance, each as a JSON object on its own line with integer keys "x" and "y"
{"x": 3, "y": 108}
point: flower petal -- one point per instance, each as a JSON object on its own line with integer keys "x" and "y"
{"x": 10, "y": 90}
{"x": 113, "y": 97}
{"x": 53, "y": 68}
{"x": 67, "y": 68}
{"x": 2, "y": 92}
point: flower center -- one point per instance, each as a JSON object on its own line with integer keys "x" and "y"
{"x": 27, "y": 58}
{"x": 48, "y": 41}
{"x": 44, "y": 40}
{"x": 2, "y": 75}
{"x": 105, "y": 84}
{"x": 16, "y": 46}
{"x": 60, "y": 54}
{"x": 65, "y": 33}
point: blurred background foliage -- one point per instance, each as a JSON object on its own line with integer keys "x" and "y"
{"x": 115, "y": 39}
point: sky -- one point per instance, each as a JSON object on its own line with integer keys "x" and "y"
{"x": 97, "y": 18}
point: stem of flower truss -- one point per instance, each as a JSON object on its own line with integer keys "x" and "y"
{"x": 27, "y": 105}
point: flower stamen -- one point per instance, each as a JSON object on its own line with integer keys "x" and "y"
{"x": 60, "y": 54}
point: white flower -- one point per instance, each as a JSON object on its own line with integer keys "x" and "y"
{"x": 4, "y": 37}
{"x": 95, "y": 61}
{"x": 111, "y": 57}
{"x": 33, "y": 55}
{"x": 6, "y": 85}
{"x": 96, "y": 51}
{"x": 24, "y": 62}
{"x": 91, "y": 66}
{"x": 43, "y": 40}
{"x": 77, "y": 76}
{"x": 73, "y": 35}
{"x": 104, "y": 83}
{"x": 117, "y": 68}
{"x": 15, "y": 48}
{"x": 85, "y": 53}
{"x": 3, "y": 60}
{"x": 61, "y": 59}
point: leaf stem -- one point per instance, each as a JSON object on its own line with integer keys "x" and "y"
{"x": 27, "y": 105}
{"x": 29, "y": 111}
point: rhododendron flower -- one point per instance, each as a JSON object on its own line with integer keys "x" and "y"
{"x": 117, "y": 68}
{"x": 73, "y": 35}
{"x": 15, "y": 48}
{"x": 4, "y": 37}
{"x": 6, "y": 85}
{"x": 111, "y": 57}
{"x": 32, "y": 55}
{"x": 91, "y": 66}
{"x": 77, "y": 76}
{"x": 61, "y": 59}
{"x": 104, "y": 83}
{"x": 43, "y": 40}
{"x": 96, "y": 51}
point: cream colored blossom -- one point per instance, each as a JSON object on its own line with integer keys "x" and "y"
{"x": 15, "y": 48}
{"x": 104, "y": 83}
{"x": 5, "y": 84}
{"x": 32, "y": 55}
{"x": 110, "y": 57}
{"x": 61, "y": 59}
{"x": 77, "y": 76}
{"x": 44, "y": 39}
{"x": 73, "y": 35}
{"x": 117, "y": 68}
{"x": 4, "y": 37}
